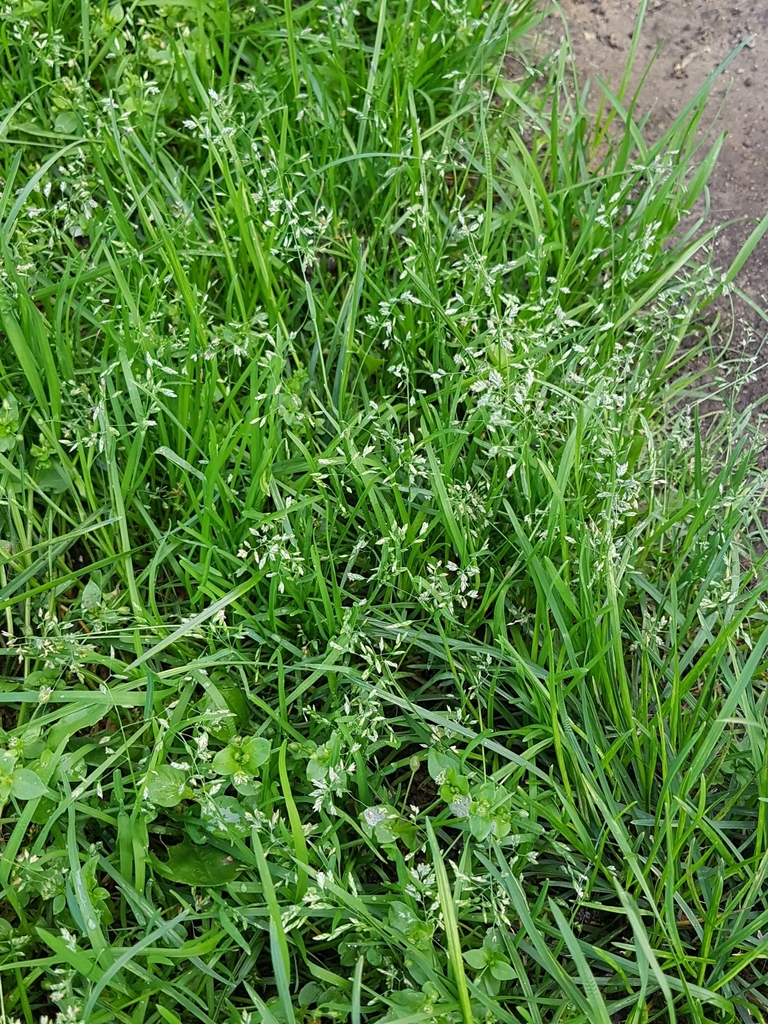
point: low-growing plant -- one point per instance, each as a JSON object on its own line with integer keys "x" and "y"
{"x": 383, "y": 601}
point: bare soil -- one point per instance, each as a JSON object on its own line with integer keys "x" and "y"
{"x": 695, "y": 37}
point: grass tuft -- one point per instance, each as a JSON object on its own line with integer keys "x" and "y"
{"x": 383, "y": 589}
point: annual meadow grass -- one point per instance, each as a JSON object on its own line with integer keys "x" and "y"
{"x": 383, "y": 597}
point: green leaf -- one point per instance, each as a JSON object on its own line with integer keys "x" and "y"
{"x": 66, "y": 123}
{"x": 53, "y": 479}
{"x": 388, "y": 827}
{"x": 249, "y": 788}
{"x": 236, "y": 701}
{"x": 400, "y": 829}
{"x": 487, "y": 792}
{"x": 27, "y": 785}
{"x": 82, "y": 717}
{"x": 401, "y": 917}
{"x": 321, "y": 760}
{"x": 225, "y": 762}
{"x": 91, "y": 596}
{"x": 310, "y": 994}
{"x": 256, "y": 751}
{"x": 376, "y": 821}
{"x": 372, "y": 365}
{"x": 445, "y": 896}
{"x": 502, "y": 971}
{"x": 204, "y": 866}
{"x": 478, "y": 958}
{"x": 480, "y": 826}
{"x": 165, "y": 786}
{"x": 440, "y": 763}
{"x": 455, "y": 792}
{"x": 224, "y": 816}
{"x": 501, "y": 823}
{"x": 43, "y": 810}
{"x": 9, "y": 423}
{"x": 242, "y": 756}
{"x": 487, "y": 814}
{"x": 83, "y": 960}
{"x": 492, "y": 940}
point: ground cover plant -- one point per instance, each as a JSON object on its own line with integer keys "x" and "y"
{"x": 383, "y": 616}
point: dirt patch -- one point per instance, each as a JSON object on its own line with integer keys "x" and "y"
{"x": 695, "y": 37}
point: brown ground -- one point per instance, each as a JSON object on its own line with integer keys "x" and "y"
{"x": 697, "y": 35}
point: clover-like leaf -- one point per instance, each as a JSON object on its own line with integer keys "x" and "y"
{"x": 242, "y": 757}
{"x": 256, "y": 751}
{"x": 487, "y": 813}
{"x": 189, "y": 864}
{"x": 374, "y": 819}
{"x": 54, "y": 479}
{"x": 245, "y": 786}
{"x": 224, "y": 816}
{"x": 439, "y": 763}
{"x": 165, "y": 786}
{"x": 492, "y": 940}
{"x": 480, "y": 825}
{"x": 27, "y": 785}
{"x": 66, "y": 123}
{"x": 323, "y": 758}
{"x": 502, "y": 823}
{"x": 387, "y": 825}
{"x": 501, "y": 970}
{"x": 91, "y": 597}
{"x": 226, "y": 762}
{"x": 401, "y": 917}
{"x": 455, "y": 792}
{"x": 236, "y": 701}
{"x": 407, "y": 922}
{"x": 478, "y": 958}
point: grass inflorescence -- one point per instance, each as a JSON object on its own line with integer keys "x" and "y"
{"x": 383, "y": 600}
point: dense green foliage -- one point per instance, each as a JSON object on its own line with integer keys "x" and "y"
{"x": 383, "y": 634}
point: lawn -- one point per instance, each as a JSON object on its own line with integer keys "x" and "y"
{"x": 382, "y": 576}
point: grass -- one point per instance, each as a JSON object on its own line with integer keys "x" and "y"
{"x": 384, "y": 602}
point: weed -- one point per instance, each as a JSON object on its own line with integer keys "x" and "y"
{"x": 384, "y": 636}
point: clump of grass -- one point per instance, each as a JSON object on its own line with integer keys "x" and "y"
{"x": 384, "y": 637}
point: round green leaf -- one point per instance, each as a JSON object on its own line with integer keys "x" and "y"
{"x": 27, "y": 785}
{"x": 165, "y": 786}
{"x": 224, "y": 816}
{"x": 226, "y": 761}
{"x": 189, "y": 864}
{"x": 256, "y": 751}
{"x": 477, "y": 958}
{"x": 67, "y": 122}
{"x": 502, "y": 971}
{"x": 91, "y": 596}
{"x": 480, "y": 826}
{"x": 401, "y": 917}
{"x": 53, "y": 479}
